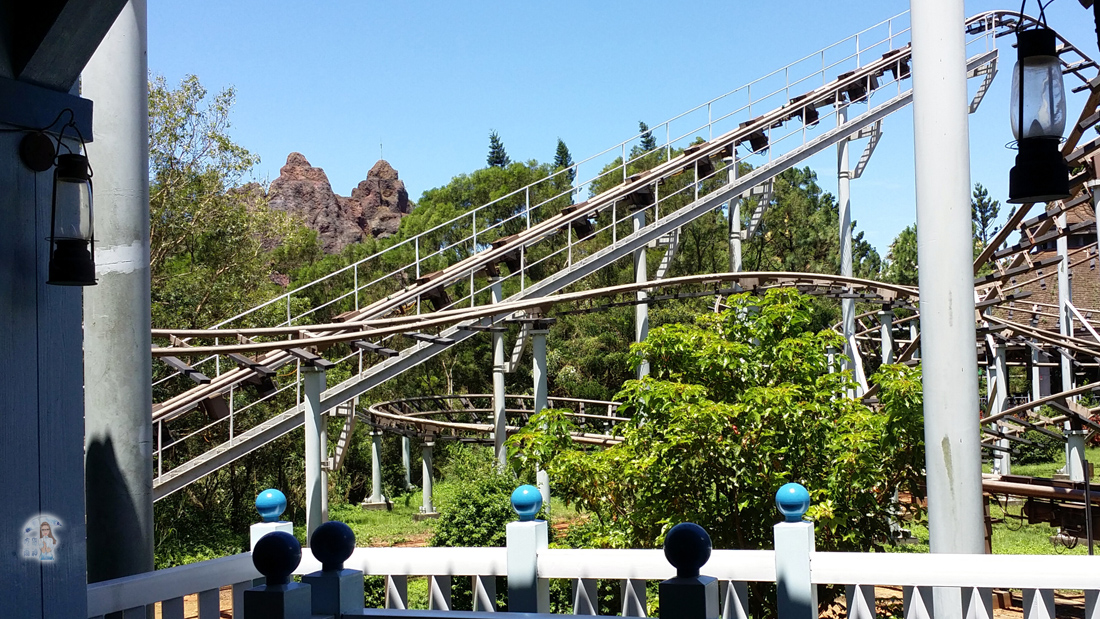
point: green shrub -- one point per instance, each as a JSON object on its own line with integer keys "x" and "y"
{"x": 1044, "y": 449}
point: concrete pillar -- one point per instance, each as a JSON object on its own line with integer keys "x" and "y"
{"x": 734, "y": 216}
{"x": 1036, "y": 379}
{"x": 1065, "y": 295}
{"x": 500, "y": 420}
{"x": 538, "y": 345}
{"x": 406, "y": 460}
{"x": 427, "y": 506}
{"x": 376, "y": 500}
{"x": 945, "y": 253}
{"x": 117, "y": 365}
{"x": 641, "y": 310}
{"x": 997, "y": 394}
{"x": 886, "y": 319}
{"x": 913, "y": 332}
{"x": 1075, "y": 464}
{"x": 844, "y": 202}
{"x": 313, "y": 383}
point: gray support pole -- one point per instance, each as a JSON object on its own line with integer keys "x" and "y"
{"x": 117, "y": 365}
{"x": 1075, "y": 463}
{"x": 500, "y": 421}
{"x": 844, "y": 202}
{"x": 538, "y": 346}
{"x": 1000, "y": 368}
{"x": 426, "y": 458}
{"x": 406, "y": 460}
{"x": 886, "y": 318}
{"x": 1036, "y": 384}
{"x": 376, "y": 468}
{"x": 734, "y": 215}
{"x": 313, "y": 383}
{"x": 324, "y": 469}
{"x": 1065, "y": 296}
{"x": 945, "y": 253}
{"x": 641, "y": 310}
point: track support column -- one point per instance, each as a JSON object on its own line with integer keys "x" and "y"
{"x": 641, "y": 310}
{"x": 427, "y": 508}
{"x": 500, "y": 421}
{"x": 313, "y": 383}
{"x": 733, "y": 213}
{"x": 376, "y": 500}
{"x": 844, "y": 203}
{"x": 945, "y": 255}
{"x": 539, "y": 330}
{"x": 406, "y": 460}
{"x": 886, "y": 319}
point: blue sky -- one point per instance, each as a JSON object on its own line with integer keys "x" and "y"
{"x": 428, "y": 81}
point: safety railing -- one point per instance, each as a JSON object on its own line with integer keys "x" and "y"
{"x": 334, "y": 587}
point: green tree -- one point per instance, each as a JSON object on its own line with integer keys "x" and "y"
{"x": 213, "y": 244}
{"x": 564, "y": 160}
{"x": 737, "y": 404}
{"x": 648, "y": 142}
{"x": 984, "y": 211}
{"x": 901, "y": 262}
{"x": 497, "y": 156}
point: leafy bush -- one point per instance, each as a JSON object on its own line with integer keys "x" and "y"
{"x": 736, "y": 405}
{"x": 1044, "y": 449}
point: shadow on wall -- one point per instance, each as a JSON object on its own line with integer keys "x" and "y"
{"x": 116, "y": 541}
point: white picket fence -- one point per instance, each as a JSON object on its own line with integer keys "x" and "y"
{"x": 970, "y": 577}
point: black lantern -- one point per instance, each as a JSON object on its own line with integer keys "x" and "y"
{"x": 1038, "y": 114}
{"x": 71, "y": 240}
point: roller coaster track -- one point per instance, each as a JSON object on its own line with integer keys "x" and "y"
{"x": 577, "y": 239}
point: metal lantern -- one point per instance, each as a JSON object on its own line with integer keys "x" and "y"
{"x": 1038, "y": 114}
{"x": 71, "y": 240}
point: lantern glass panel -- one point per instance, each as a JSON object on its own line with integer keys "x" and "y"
{"x": 1044, "y": 98}
{"x": 73, "y": 211}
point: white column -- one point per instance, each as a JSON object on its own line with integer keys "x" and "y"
{"x": 376, "y": 496}
{"x": 641, "y": 310}
{"x": 427, "y": 506}
{"x": 406, "y": 460}
{"x": 945, "y": 254}
{"x": 1065, "y": 295}
{"x": 1000, "y": 369}
{"x": 734, "y": 215}
{"x": 117, "y": 365}
{"x": 313, "y": 383}
{"x": 1036, "y": 388}
{"x": 538, "y": 346}
{"x": 886, "y": 318}
{"x": 844, "y": 202}
{"x": 500, "y": 421}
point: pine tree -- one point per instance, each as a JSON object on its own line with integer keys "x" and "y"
{"x": 984, "y": 212}
{"x": 648, "y": 142}
{"x": 497, "y": 156}
{"x": 562, "y": 159}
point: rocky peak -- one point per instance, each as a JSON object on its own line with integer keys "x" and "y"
{"x": 374, "y": 209}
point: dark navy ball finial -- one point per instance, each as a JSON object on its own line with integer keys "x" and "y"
{"x": 792, "y": 500}
{"x": 527, "y": 501}
{"x": 332, "y": 543}
{"x": 271, "y": 504}
{"x": 687, "y": 548}
{"x": 276, "y": 555}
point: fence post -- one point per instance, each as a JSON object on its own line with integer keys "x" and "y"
{"x": 525, "y": 538}
{"x": 794, "y": 546}
{"x": 275, "y": 556}
{"x": 271, "y": 504}
{"x": 335, "y": 590}
{"x": 688, "y": 595}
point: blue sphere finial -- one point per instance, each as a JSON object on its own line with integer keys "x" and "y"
{"x": 332, "y": 543}
{"x": 527, "y": 501}
{"x": 276, "y": 555}
{"x": 792, "y": 500}
{"x": 271, "y": 504}
{"x": 687, "y": 548}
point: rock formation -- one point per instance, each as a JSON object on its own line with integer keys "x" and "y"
{"x": 374, "y": 209}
